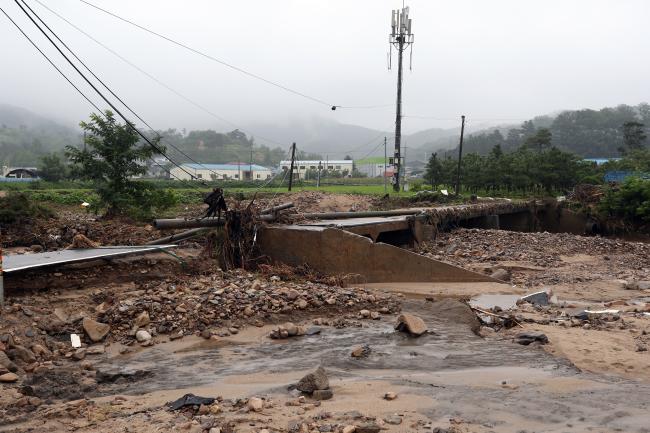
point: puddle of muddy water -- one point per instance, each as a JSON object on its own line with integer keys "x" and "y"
{"x": 489, "y": 301}
{"x": 448, "y": 347}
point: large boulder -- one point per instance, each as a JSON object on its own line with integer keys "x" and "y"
{"x": 529, "y": 337}
{"x": 314, "y": 381}
{"x": 456, "y": 312}
{"x": 96, "y": 331}
{"x": 411, "y": 324}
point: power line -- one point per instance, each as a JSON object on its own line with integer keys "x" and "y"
{"x": 231, "y": 66}
{"x": 485, "y": 119}
{"x": 153, "y": 78}
{"x": 113, "y": 93}
{"x": 63, "y": 74}
{"x": 144, "y": 137}
{"x": 207, "y": 56}
{"x": 50, "y": 61}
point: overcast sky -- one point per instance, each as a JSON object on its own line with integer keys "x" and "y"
{"x": 490, "y": 60}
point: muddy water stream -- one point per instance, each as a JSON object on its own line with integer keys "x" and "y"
{"x": 449, "y": 373}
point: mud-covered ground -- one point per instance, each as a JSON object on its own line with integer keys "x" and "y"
{"x": 591, "y": 273}
{"x": 167, "y": 326}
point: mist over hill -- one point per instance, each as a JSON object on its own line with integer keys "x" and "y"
{"x": 25, "y": 137}
{"x": 586, "y": 132}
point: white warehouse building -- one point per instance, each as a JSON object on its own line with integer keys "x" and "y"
{"x": 221, "y": 172}
{"x": 345, "y": 166}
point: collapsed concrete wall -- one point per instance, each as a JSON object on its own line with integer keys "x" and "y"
{"x": 335, "y": 251}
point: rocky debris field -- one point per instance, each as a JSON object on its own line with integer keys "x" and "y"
{"x": 39, "y": 360}
{"x": 531, "y": 259}
{"x": 56, "y": 233}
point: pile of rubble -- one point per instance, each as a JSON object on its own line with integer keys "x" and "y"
{"x": 37, "y": 336}
{"x": 218, "y": 304}
{"x": 491, "y": 248}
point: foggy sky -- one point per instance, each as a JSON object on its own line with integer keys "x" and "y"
{"x": 502, "y": 59}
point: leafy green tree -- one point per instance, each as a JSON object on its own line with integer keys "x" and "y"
{"x": 634, "y": 137}
{"x": 541, "y": 140}
{"x": 112, "y": 157}
{"x": 631, "y": 201}
{"x": 52, "y": 168}
{"x": 433, "y": 171}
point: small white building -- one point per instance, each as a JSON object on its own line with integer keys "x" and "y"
{"x": 300, "y": 168}
{"x": 221, "y": 172}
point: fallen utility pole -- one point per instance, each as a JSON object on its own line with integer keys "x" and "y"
{"x": 277, "y": 208}
{"x": 293, "y": 158}
{"x": 365, "y": 214}
{"x": 180, "y": 223}
{"x": 178, "y": 236}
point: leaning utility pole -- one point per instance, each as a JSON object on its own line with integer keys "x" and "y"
{"x": 460, "y": 153}
{"x": 400, "y": 38}
{"x": 293, "y": 157}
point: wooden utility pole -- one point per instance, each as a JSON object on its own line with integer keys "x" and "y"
{"x": 460, "y": 153}
{"x": 293, "y": 157}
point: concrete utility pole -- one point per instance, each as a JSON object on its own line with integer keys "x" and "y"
{"x": 460, "y": 153}
{"x": 384, "y": 173}
{"x": 400, "y": 38}
{"x": 250, "y": 167}
{"x": 293, "y": 157}
{"x": 320, "y": 166}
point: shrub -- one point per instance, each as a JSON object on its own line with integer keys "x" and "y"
{"x": 17, "y": 208}
{"x": 629, "y": 201}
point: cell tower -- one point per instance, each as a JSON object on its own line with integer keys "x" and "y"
{"x": 400, "y": 38}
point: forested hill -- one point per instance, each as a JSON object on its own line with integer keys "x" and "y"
{"x": 25, "y": 136}
{"x": 588, "y": 133}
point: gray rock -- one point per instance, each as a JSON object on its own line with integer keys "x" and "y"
{"x": 537, "y": 298}
{"x": 367, "y": 427}
{"x": 21, "y": 353}
{"x": 322, "y": 394}
{"x": 638, "y": 285}
{"x": 393, "y": 420}
{"x": 313, "y": 330}
{"x": 529, "y": 337}
{"x": 142, "y": 336}
{"x": 314, "y": 381}
{"x": 7, "y": 363}
{"x": 500, "y": 274}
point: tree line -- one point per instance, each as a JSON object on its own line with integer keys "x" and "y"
{"x": 537, "y": 166}
{"x": 588, "y": 133}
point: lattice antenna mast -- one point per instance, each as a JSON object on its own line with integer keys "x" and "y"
{"x": 400, "y": 38}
